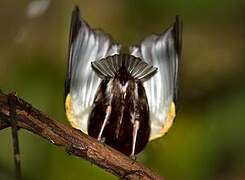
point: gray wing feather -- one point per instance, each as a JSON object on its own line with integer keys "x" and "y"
{"x": 161, "y": 51}
{"x": 86, "y": 45}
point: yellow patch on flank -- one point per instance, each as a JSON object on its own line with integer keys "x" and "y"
{"x": 69, "y": 112}
{"x": 170, "y": 119}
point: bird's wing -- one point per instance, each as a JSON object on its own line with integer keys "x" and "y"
{"x": 162, "y": 51}
{"x": 85, "y": 45}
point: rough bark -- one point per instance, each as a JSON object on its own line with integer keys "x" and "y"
{"x": 74, "y": 141}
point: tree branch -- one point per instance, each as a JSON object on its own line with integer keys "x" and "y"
{"x": 74, "y": 141}
{"x": 15, "y": 139}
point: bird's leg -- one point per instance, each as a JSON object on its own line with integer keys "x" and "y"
{"x": 135, "y": 132}
{"x": 108, "y": 113}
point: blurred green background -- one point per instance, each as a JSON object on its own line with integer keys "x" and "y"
{"x": 207, "y": 140}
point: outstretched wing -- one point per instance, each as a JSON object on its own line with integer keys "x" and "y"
{"x": 163, "y": 52}
{"x": 85, "y": 45}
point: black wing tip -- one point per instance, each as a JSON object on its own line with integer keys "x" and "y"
{"x": 76, "y": 17}
{"x": 74, "y": 28}
{"x": 76, "y": 10}
{"x": 178, "y": 19}
{"x": 178, "y": 28}
{"x": 177, "y": 32}
{"x": 75, "y": 14}
{"x": 75, "y": 23}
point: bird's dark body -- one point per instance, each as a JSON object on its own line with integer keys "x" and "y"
{"x": 127, "y": 98}
{"x": 116, "y": 111}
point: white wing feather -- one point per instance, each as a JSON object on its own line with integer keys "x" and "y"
{"x": 86, "y": 45}
{"x": 161, "y": 52}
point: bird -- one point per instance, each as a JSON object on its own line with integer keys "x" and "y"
{"x": 127, "y": 99}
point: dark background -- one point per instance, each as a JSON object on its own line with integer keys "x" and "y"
{"x": 207, "y": 139}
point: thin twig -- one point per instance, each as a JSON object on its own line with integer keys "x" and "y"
{"x": 15, "y": 139}
{"x": 74, "y": 141}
